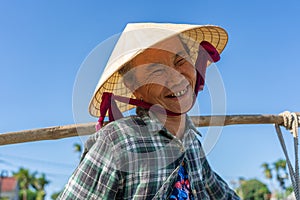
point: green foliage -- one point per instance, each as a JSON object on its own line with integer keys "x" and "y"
{"x": 281, "y": 172}
{"x": 267, "y": 170}
{"x": 27, "y": 194}
{"x": 253, "y": 189}
{"x": 31, "y": 186}
{"x": 78, "y": 149}
{"x": 289, "y": 190}
{"x": 277, "y": 170}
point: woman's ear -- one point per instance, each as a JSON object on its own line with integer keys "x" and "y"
{"x": 129, "y": 82}
{"x": 128, "y": 75}
{"x": 131, "y": 85}
{"x": 137, "y": 94}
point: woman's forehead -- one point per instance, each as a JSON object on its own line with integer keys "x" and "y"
{"x": 161, "y": 51}
{"x": 168, "y": 44}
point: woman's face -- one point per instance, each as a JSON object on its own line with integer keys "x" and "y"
{"x": 164, "y": 75}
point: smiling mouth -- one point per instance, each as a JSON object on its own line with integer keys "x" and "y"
{"x": 178, "y": 94}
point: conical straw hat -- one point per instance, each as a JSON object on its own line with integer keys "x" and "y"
{"x": 137, "y": 37}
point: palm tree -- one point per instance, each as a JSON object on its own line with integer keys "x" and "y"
{"x": 39, "y": 185}
{"x": 24, "y": 179}
{"x": 267, "y": 171}
{"x": 268, "y": 174}
{"x": 78, "y": 149}
{"x": 281, "y": 172}
{"x": 282, "y": 165}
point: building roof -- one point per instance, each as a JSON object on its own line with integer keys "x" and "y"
{"x": 8, "y": 184}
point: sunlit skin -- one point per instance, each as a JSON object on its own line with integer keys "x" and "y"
{"x": 164, "y": 75}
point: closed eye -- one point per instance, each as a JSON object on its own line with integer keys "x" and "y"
{"x": 155, "y": 69}
{"x": 180, "y": 61}
{"x": 180, "y": 58}
{"x": 157, "y": 72}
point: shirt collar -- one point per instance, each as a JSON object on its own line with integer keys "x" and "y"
{"x": 154, "y": 125}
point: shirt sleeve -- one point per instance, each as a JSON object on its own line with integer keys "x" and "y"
{"x": 216, "y": 187}
{"x": 96, "y": 177}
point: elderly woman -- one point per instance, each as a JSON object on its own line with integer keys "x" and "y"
{"x": 159, "y": 69}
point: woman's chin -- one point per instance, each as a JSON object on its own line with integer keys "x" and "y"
{"x": 181, "y": 104}
{"x": 180, "y": 109}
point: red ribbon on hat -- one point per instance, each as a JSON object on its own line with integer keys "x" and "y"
{"x": 207, "y": 52}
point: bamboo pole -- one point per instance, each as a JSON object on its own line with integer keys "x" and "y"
{"x": 59, "y": 132}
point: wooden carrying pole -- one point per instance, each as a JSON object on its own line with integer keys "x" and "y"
{"x": 59, "y": 132}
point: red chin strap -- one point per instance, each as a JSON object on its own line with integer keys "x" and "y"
{"x": 207, "y": 52}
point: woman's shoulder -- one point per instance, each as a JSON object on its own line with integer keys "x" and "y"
{"x": 121, "y": 129}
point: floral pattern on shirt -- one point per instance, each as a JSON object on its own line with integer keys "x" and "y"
{"x": 182, "y": 188}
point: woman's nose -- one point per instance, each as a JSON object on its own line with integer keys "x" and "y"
{"x": 174, "y": 77}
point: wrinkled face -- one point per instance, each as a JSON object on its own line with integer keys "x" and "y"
{"x": 164, "y": 75}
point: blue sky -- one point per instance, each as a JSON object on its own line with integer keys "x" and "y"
{"x": 43, "y": 44}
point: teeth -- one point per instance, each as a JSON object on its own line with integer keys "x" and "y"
{"x": 178, "y": 94}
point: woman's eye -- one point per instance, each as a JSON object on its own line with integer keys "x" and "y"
{"x": 157, "y": 72}
{"x": 180, "y": 62}
{"x": 155, "y": 75}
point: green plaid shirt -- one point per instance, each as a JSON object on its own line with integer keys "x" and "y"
{"x": 137, "y": 158}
